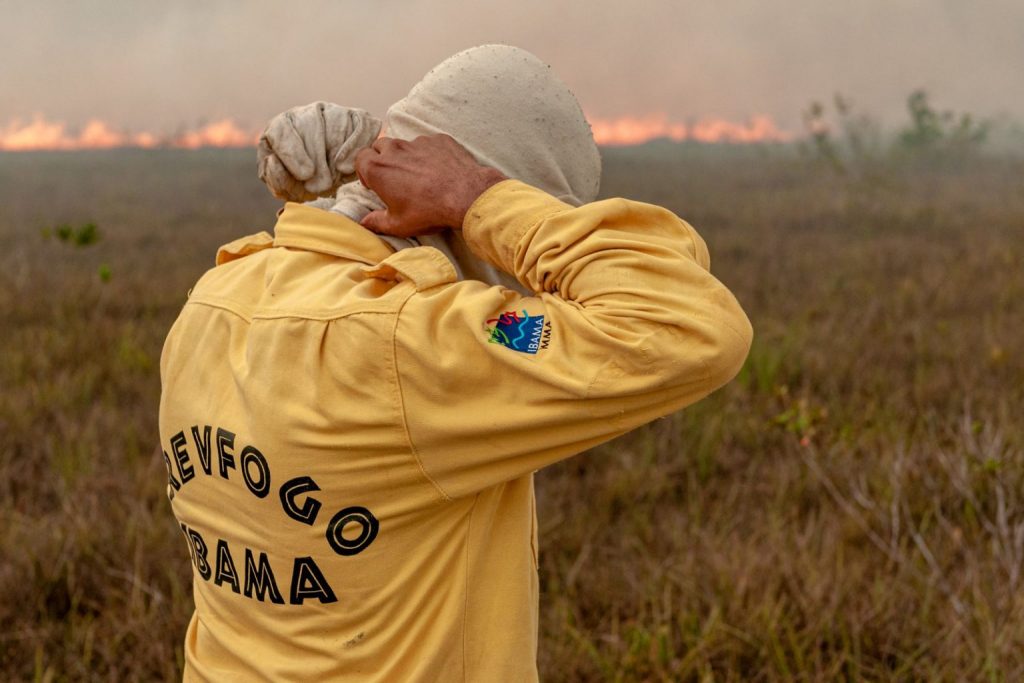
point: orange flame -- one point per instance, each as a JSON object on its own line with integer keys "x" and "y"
{"x": 632, "y": 130}
{"x": 40, "y": 134}
{"x": 223, "y": 133}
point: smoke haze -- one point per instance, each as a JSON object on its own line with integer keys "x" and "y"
{"x": 166, "y": 65}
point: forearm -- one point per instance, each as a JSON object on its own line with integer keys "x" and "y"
{"x": 637, "y": 272}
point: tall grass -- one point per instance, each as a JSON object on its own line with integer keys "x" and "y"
{"x": 850, "y": 508}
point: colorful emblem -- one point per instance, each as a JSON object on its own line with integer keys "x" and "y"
{"x": 519, "y": 331}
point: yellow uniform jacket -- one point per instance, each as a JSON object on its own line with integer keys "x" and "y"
{"x": 350, "y": 434}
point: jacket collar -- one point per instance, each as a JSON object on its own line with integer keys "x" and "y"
{"x": 304, "y": 227}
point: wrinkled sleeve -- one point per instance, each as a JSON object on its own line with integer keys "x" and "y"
{"x": 627, "y": 325}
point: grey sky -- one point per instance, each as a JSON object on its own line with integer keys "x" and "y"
{"x": 157, "y": 65}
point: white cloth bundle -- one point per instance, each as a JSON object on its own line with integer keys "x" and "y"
{"x": 308, "y": 151}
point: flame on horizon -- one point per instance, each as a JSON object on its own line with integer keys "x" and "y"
{"x": 41, "y": 134}
{"x": 633, "y": 130}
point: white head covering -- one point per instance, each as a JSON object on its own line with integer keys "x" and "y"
{"x": 512, "y": 113}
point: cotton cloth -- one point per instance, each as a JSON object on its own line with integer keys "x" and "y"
{"x": 308, "y": 151}
{"x": 507, "y": 108}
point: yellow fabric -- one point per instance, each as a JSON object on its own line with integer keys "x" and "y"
{"x": 351, "y": 434}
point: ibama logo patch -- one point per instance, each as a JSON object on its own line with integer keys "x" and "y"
{"x": 519, "y": 331}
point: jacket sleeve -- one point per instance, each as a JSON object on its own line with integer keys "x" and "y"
{"x": 627, "y": 325}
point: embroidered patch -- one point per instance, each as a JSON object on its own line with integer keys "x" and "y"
{"x": 519, "y": 331}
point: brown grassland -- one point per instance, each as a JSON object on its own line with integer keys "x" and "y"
{"x": 851, "y": 507}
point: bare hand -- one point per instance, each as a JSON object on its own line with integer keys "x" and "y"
{"x": 428, "y": 183}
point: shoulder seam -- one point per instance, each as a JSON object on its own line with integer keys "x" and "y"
{"x": 320, "y": 315}
{"x": 223, "y": 304}
{"x": 401, "y": 403}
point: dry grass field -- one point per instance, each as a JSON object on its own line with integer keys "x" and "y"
{"x": 850, "y": 508}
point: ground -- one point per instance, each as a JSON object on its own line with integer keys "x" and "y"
{"x": 851, "y": 507}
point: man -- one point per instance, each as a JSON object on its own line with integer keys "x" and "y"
{"x": 351, "y": 430}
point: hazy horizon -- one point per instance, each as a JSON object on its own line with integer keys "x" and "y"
{"x": 149, "y": 66}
